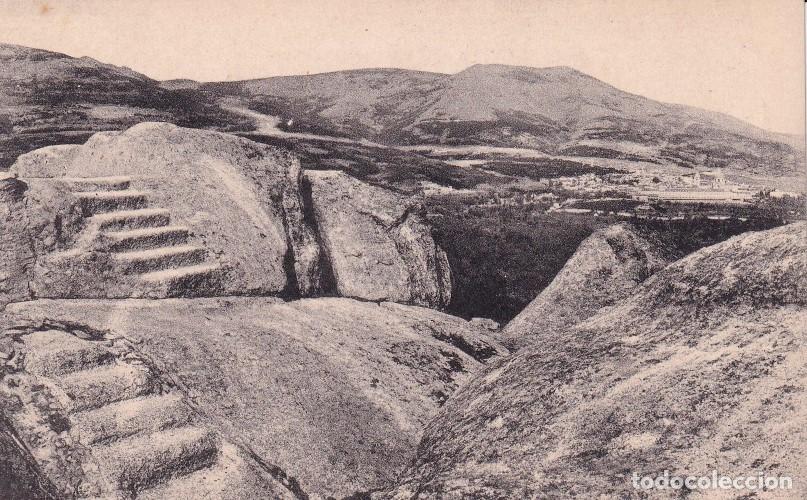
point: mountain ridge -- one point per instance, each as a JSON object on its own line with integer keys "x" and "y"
{"x": 51, "y": 98}
{"x": 476, "y": 68}
{"x": 557, "y": 110}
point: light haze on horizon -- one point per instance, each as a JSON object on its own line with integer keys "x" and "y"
{"x": 743, "y": 58}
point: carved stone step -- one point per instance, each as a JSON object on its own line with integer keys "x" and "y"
{"x": 116, "y": 183}
{"x": 143, "y": 238}
{"x": 89, "y": 389}
{"x": 54, "y": 353}
{"x": 156, "y": 259}
{"x": 229, "y": 477}
{"x": 185, "y": 281}
{"x": 132, "y": 219}
{"x": 130, "y": 417}
{"x": 96, "y": 202}
{"x": 136, "y": 463}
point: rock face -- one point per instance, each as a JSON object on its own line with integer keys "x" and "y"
{"x": 163, "y": 211}
{"x": 99, "y": 421}
{"x": 606, "y": 267}
{"x": 16, "y": 252}
{"x": 19, "y": 478}
{"x": 177, "y": 207}
{"x": 331, "y": 394}
{"x": 377, "y": 244}
{"x": 700, "y": 369}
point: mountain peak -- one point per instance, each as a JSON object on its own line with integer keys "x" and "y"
{"x": 508, "y": 68}
{"x": 10, "y": 51}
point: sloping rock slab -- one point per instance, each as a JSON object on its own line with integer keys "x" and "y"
{"x": 335, "y": 392}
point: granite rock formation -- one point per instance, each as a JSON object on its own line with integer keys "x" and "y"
{"x": 330, "y": 394}
{"x": 159, "y": 210}
{"x": 378, "y": 245}
{"x": 700, "y": 369}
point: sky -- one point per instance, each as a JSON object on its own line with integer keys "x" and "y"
{"x": 742, "y": 57}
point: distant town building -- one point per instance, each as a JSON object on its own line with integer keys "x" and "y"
{"x": 710, "y": 179}
{"x": 777, "y": 193}
{"x": 699, "y": 187}
{"x": 698, "y": 196}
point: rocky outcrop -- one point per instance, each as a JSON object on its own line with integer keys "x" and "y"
{"x": 606, "y": 267}
{"x": 700, "y": 369}
{"x": 225, "y": 194}
{"x": 162, "y": 211}
{"x": 99, "y": 421}
{"x": 331, "y": 394}
{"x": 377, "y": 245}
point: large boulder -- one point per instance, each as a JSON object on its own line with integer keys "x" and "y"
{"x": 700, "y": 369}
{"x": 606, "y": 267}
{"x": 377, "y": 244}
{"x": 240, "y": 200}
{"x": 332, "y": 392}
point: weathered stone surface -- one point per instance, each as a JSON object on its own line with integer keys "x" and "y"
{"x": 100, "y": 422}
{"x": 16, "y": 252}
{"x": 700, "y": 369}
{"x": 260, "y": 225}
{"x": 377, "y": 245}
{"x": 19, "y": 478}
{"x": 240, "y": 199}
{"x": 333, "y": 391}
{"x": 606, "y": 267}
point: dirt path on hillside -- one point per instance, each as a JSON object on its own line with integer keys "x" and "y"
{"x": 269, "y": 125}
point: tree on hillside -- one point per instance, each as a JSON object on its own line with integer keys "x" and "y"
{"x": 6, "y": 127}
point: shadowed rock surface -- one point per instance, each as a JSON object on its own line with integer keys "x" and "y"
{"x": 377, "y": 243}
{"x": 20, "y": 478}
{"x": 16, "y": 252}
{"x": 333, "y": 393}
{"x": 701, "y": 368}
{"x": 606, "y": 267}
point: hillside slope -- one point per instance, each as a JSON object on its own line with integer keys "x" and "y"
{"x": 702, "y": 368}
{"x": 50, "y": 98}
{"x": 557, "y": 110}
